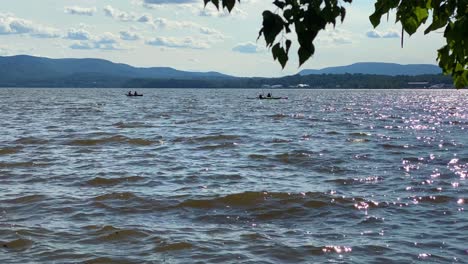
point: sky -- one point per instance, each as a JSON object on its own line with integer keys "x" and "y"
{"x": 185, "y": 35}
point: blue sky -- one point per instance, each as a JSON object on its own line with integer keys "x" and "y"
{"x": 185, "y": 35}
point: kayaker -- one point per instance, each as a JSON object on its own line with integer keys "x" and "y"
{"x": 135, "y": 93}
{"x": 269, "y": 95}
{"x": 129, "y": 93}
{"x": 260, "y": 96}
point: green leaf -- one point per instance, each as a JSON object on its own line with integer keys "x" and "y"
{"x": 229, "y": 4}
{"x": 410, "y": 25}
{"x": 342, "y": 13}
{"x": 461, "y": 81}
{"x": 288, "y": 45}
{"x": 280, "y": 54}
{"x": 288, "y": 14}
{"x": 273, "y": 24}
{"x": 305, "y": 53}
{"x": 421, "y": 14}
{"x": 279, "y": 4}
{"x": 216, "y": 3}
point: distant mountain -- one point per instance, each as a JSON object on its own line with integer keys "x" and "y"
{"x": 20, "y": 69}
{"x": 378, "y": 68}
{"x": 28, "y": 71}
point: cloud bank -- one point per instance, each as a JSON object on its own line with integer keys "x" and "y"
{"x": 248, "y": 47}
{"x": 106, "y": 41}
{"x": 187, "y": 42}
{"x": 82, "y": 11}
{"x": 392, "y": 33}
{"x": 10, "y": 25}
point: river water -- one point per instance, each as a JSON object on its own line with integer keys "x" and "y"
{"x": 209, "y": 176}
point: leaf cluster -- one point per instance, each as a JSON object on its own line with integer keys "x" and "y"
{"x": 308, "y": 17}
{"x": 449, "y": 14}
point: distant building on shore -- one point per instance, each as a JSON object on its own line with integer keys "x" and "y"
{"x": 418, "y": 84}
{"x": 301, "y": 85}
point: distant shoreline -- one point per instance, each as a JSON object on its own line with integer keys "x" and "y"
{"x": 323, "y": 81}
{"x": 28, "y": 71}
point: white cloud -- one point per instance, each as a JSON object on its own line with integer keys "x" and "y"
{"x": 107, "y": 38}
{"x": 248, "y": 47}
{"x": 166, "y": 23}
{"x": 209, "y": 31}
{"x": 211, "y": 11}
{"x": 78, "y": 34}
{"x": 163, "y": 23}
{"x": 131, "y": 36}
{"x": 9, "y": 24}
{"x": 392, "y": 33}
{"x": 82, "y": 45}
{"x": 145, "y": 19}
{"x": 167, "y": 2}
{"x": 335, "y": 36}
{"x": 106, "y": 41}
{"x": 118, "y": 14}
{"x": 187, "y": 42}
{"x": 126, "y": 16}
{"x": 373, "y": 34}
{"x": 84, "y": 11}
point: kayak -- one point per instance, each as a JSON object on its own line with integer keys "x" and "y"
{"x": 135, "y": 95}
{"x": 268, "y": 98}
{"x": 271, "y": 98}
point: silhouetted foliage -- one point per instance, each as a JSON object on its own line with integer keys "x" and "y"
{"x": 309, "y": 17}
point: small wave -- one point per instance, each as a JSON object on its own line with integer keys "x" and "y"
{"x": 31, "y": 141}
{"x": 99, "y": 181}
{"x": 358, "y": 140}
{"x": 116, "y": 196}
{"x": 93, "y": 142}
{"x": 174, "y": 247}
{"x": 121, "y": 234}
{"x": 142, "y": 142}
{"x": 333, "y": 133}
{"x": 349, "y": 181}
{"x": 279, "y": 116}
{"x": 279, "y": 140}
{"x": 8, "y": 151}
{"x": 433, "y": 199}
{"x": 106, "y": 260}
{"x": 217, "y": 138}
{"x": 18, "y": 244}
{"x": 258, "y": 156}
{"x": 113, "y": 139}
{"x": 219, "y": 146}
{"x": 25, "y": 164}
{"x": 372, "y": 220}
{"x": 255, "y": 236}
{"x": 27, "y": 199}
{"x": 392, "y": 146}
{"x": 360, "y": 134}
{"x": 295, "y": 157}
{"x": 130, "y": 125}
{"x": 258, "y": 200}
{"x": 110, "y": 233}
{"x": 337, "y": 249}
{"x": 211, "y": 138}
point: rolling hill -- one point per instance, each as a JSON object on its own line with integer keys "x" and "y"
{"x": 23, "y": 69}
{"x": 378, "y": 68}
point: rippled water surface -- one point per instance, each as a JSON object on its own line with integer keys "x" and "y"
{"x": 208, "y": 176}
